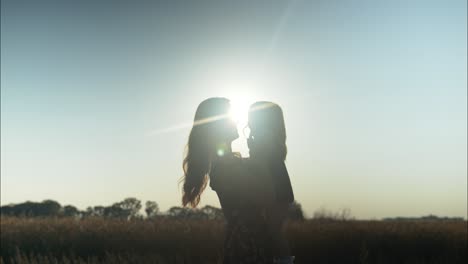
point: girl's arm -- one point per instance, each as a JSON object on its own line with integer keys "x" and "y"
{"x": 281, "y": 181}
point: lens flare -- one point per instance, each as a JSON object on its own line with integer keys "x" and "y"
{"x": 220, "y": 152}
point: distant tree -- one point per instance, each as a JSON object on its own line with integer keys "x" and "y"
{"x": 132, "y": 205}
{"x": 7, "y": 209}
{"x": 116, "y": 211}
{"x": 32, "y": 209}
{"x": 180, "y": 212}
{"x": 151, "y": 209}
{"x": 48, "y": 208}
{"x": 345, "y": 214}
{"x": 295, "y": 211}
{"x": 424, "y": 218}
{"x": 87, "y": 212}
{"x": 99, "y": 210}
{"x": 212, "y": 212}
{"x": 175, "y": 211}
{"x": 324, "y": 214}
{"x": 26, "y": 209}
{"x": 207, "y": 212}
{"x": 126, "y": 209}
{"x": 70, "y": 210}
{"x": 96, "y": 211}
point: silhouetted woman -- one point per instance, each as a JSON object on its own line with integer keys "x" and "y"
{"x": 209, "y": 156}
{"x": 267, "y": 146}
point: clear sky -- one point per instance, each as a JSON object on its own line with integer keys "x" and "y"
{"x": 96, "y": 97}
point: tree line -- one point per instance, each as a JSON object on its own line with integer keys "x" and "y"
{"x": 129, "y": 208}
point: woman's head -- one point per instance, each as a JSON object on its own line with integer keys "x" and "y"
{"x": 267, "y": 130}
{"x": 211, "y": 135}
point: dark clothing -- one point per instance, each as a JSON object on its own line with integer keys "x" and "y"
{"x": 270, "y": 173}
{"x": 246, "y": 236}
{"x": 264, "y": 152}
{"x": 281, "y": 181}
{"x": 243, "y": 243}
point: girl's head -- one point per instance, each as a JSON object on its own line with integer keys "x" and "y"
{"x": 211, "y": 136}
{"x": 267, "y": 130}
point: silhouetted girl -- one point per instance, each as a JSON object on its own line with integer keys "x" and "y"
{"x": 267, "y": 145}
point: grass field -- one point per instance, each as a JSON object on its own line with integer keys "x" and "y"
{"x": 97, "y": 240}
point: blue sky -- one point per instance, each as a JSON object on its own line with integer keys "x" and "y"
{"x": 374, "y": 95}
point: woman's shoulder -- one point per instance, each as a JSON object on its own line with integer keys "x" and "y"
{"x": 225, "y": 169}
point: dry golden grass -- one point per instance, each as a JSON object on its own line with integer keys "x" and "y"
{"x": 97, "y": 240}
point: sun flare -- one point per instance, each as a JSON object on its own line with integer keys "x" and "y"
{"x": 239, "y": 113}
{"x": 239, "y": 110}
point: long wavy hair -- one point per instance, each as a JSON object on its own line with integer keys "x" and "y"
{"x": 267, "y": 130}
{"x": 209, "y": 130}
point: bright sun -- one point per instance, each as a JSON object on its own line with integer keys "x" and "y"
{"x": 239, "y": 110}
{"x": 239, "y": 113}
